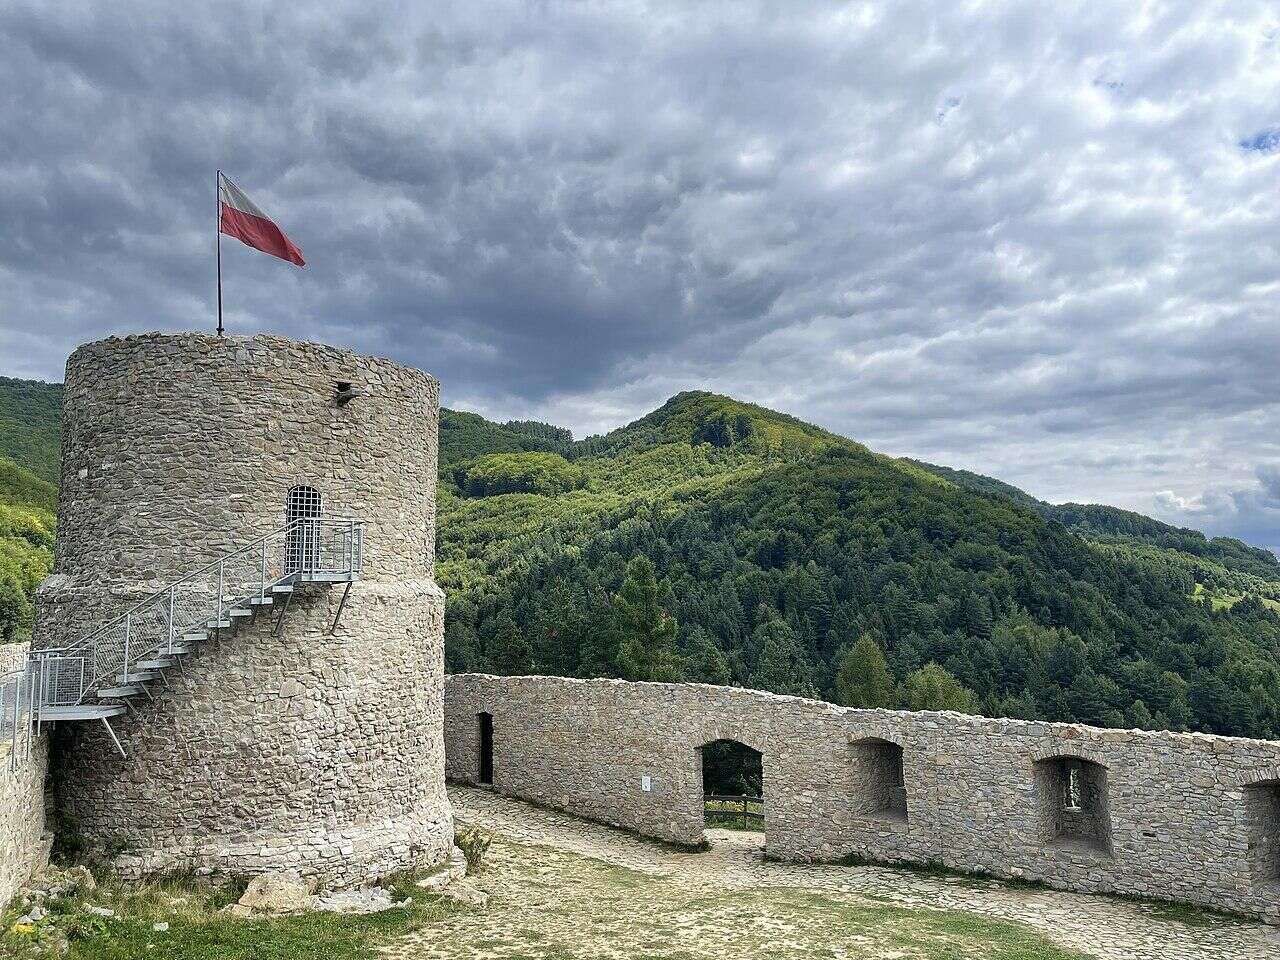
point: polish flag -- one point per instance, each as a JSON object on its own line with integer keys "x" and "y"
{"x": 240, "y": 217}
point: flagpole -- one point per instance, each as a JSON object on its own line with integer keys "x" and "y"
{"x": 217, "y": 195}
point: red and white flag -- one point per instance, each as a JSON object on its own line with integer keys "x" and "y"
{"x": 240, "y": 217}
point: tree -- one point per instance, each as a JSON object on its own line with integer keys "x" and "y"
{"x": 646, "y": 632}
{"x": 783, "y": 666}
{"x": 862, "y": 676}
{"x": 706, "y": 661}
{"x": 933, "y": 688}
{"x": 508, "y": 651}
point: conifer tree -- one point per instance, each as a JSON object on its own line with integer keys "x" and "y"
{"x": 508, "y": 651}
{"x": 932, "y": 687}
{"x": 646, "y": 631}
{"x": 862, "y": 676}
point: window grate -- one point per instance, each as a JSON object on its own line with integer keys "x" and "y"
{"x": 303, "y": 543}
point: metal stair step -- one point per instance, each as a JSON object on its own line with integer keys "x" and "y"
{"x": 128, "y": 690}
{"x": 155, "y": 633}
{"x": 137, "y": 676}
{"x": 82, "y": 711}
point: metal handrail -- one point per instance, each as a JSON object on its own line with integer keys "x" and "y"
{"x": 150, "y": 627}
{"x": 261, "y": 541}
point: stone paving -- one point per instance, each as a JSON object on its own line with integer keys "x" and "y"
{"x": 1099, "y": 926}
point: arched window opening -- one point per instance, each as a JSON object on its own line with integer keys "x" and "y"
{"x": 732, "y": 786}
{"x": 302, "y": 543}
{"x": 1074, "y": 804}
{"x": 879, "y": 781}
{"x": 1262, "y": 820}
{"x": 484, "y": 730}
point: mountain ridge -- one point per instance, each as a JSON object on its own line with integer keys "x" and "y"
{"x": 715, "y": 540}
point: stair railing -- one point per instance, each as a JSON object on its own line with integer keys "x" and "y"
{"x": 203, "y": 599}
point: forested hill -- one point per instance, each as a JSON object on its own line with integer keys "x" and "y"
{"x": 30, "y": 419}
{"x": 30, "y": 413}
{"x": 1110, "y": 525}
{"x": 719, "y": 541}
{"x": 777, "y": 555}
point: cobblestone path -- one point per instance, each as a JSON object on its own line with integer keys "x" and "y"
{"x": 547, "y": 883}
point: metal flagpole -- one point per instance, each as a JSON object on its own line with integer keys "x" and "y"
{"x": 217, "y": 193}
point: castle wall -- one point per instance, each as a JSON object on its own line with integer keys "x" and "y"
{"x": 304, "y": 750}
{"x": 23, "y": 849}
{"x": 1189, "y": 817}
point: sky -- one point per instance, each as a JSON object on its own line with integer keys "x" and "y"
{"x": 1039, "y": 240}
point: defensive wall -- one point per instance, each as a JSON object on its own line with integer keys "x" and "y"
{"x": 24, "y": 848}
{"x": 1183, "y": 817}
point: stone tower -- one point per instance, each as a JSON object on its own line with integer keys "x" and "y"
{"x": 276, "y": 746}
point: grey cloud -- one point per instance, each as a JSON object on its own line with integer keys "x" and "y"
{"x": 1032, "y": 240}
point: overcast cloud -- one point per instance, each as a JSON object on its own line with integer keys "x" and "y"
{"x": 1038, "y": 240}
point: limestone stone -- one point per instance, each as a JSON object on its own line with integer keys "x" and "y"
{"x": 280, "y": 891}
{"x": 24, "y": 847}
{"x": 1183, "y": 817}
{"x": 313, "y": 750}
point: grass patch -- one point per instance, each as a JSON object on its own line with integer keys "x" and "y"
{"x": 548, "y": 903}
{"x": 744, "y": 814}
{"x": 198, "y": 930}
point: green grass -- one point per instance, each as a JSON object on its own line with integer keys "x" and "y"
{"x": 548, "y": 903}
{"x": 1221, "y": 599}
{"x": 198, "y": 930}
{"x": 729, "y": 816}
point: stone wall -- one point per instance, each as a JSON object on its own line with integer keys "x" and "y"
{"x": 305, "y": 749}
{"x": 24, "y": 850}
{"x": 1188, "y": 817}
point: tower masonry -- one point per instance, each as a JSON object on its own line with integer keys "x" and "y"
{"x": 309, "y": 735}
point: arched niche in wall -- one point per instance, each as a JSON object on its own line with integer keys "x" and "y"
{"x": 1074, "y": 803}
{"x": 879, "y": 780}
{"x": 1262, "y": 824}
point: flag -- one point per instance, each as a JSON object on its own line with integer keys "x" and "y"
{"x": 240, "y": 217}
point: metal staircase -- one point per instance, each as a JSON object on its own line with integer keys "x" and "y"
{"x": 96, "y": 677}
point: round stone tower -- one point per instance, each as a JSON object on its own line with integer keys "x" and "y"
{"x": 285, "y": 742}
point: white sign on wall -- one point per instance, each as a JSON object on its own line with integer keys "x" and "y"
{"x": 645, "y": 783}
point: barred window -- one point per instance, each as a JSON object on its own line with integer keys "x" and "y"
{"x": 302, "y": 544}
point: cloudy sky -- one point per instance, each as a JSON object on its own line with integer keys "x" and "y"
{"x": 1036, "y": 239}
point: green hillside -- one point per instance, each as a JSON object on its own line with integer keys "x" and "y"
{"x": 27, "y": 505}
{"x": 719, "y": 541}
{"x": 30, "y": 415}
{"x": 769, "y": 548}
{"x": 1226, "y": 565}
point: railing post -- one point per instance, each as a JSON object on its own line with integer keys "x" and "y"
{"x": 171, "y": 606}
{"x": 262, "y": 585}
{"x": 218, "y": 621}
{"x": 17, "y": 713}
{"x": 128, "y": 636}
{"x": 351, "y": 547}
{"x": 33, "y": 707}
